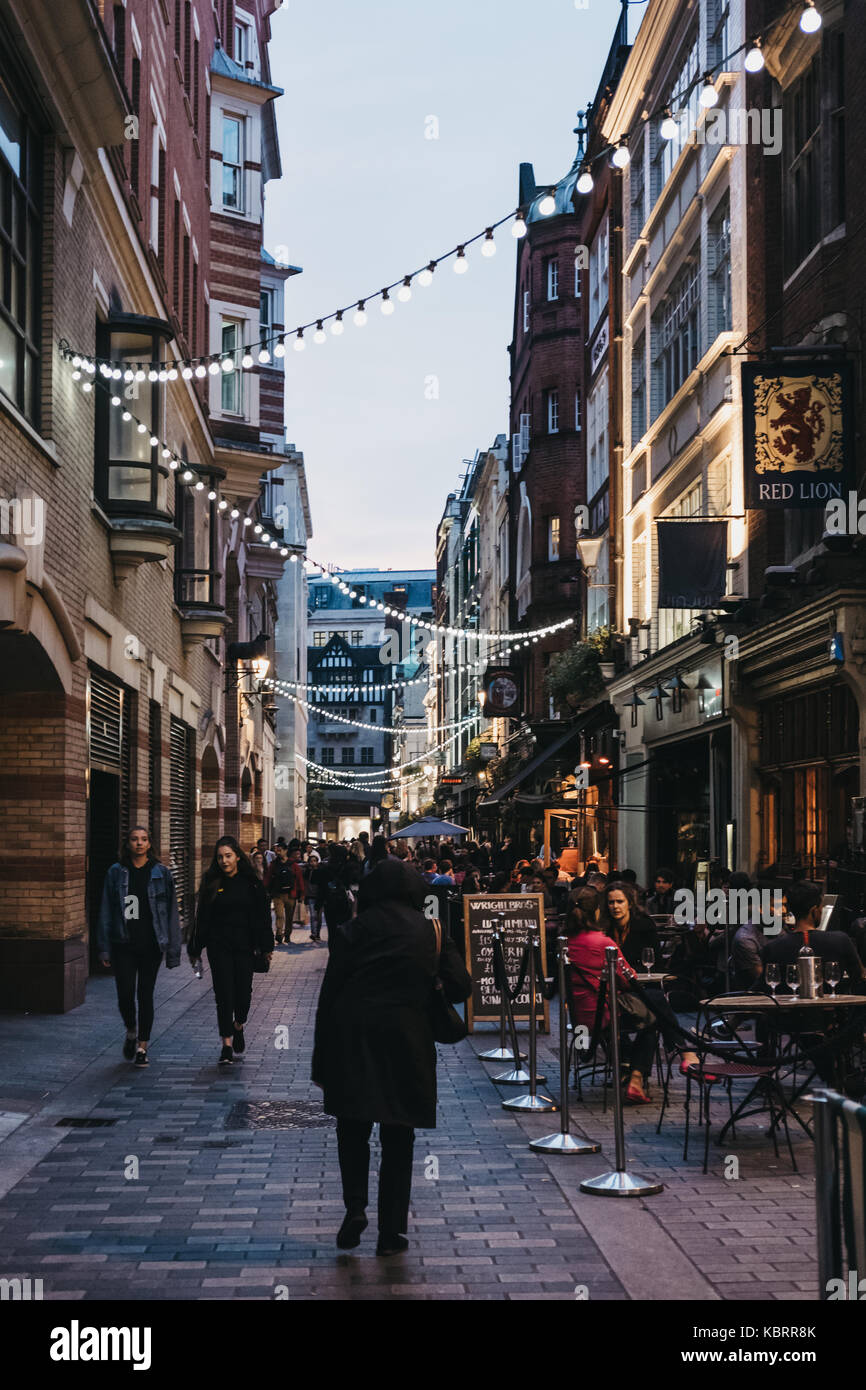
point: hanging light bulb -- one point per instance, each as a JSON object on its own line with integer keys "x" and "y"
{"x": 162, "y": 376}
{"x": 668, "y": 129}
{"x": 153, "y": 441}
{"x": 87, "y": 387}
{"x": 810, "y": 19}
{"x": 128, "y": 374}
{"x": 234, "y": 513}
{"x": 300, "y": 343}
{"x": 461, "y": 265}
{"x": 584, "y": 182}
{"x": 280, "y": 349}
{"x": 116, "y": 374}
{"x": 264, "y": 355}
{"x": 199, "y": 487}
{"x": 172, "y": 373}
{"x": 488, "y": 245}
{"x": 126, "y": 417}
{"x": 139, "y": 375}
{"x": 222, "y": 504}
{"x": 166, "y": 453}
{"x": 708, "y": 95}
{"x": 754, "y": 59}
{"x": 360, "y": 315}
{"x": 211, "y": 497}
{"x": 151, "y": 376}
{"x": 187, "y": 372}
{"x": 214, "y": 368}
{"x": 320, "y": 336}
{"x": 248, "y": 521}
{"x": 405, "y": 291}
{"x": 76, "y": 375}
{"x": 187, "y": 475}
{"x": 115, "y": 400}
{"x": 201, "y": 370}
{"x": 387, "y": 305}
{"x": 620, "y": 157}
{"x": 142, "y": 429}
{"x": 518, "y": 226}
{"x": 337, "y": 326}
{"x": 227, "y": 365}
{"x": 548, "y": 204}
{"x": 174, "y": 465}
{"x": 247, "y": 360}
{"x": 426, "y": 276}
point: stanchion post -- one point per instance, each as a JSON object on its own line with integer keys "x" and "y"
{"x": 502, "y": 1053}
{"x": 532, "y": 1101}
{"x": 830, "y": 1264}
{"x": 563, "y": 1142}
{"x": 619, "y": 1183}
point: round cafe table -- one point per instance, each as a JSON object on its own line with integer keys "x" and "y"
{"x": 752, "y": 1003}
{"x": 654, "y": 978}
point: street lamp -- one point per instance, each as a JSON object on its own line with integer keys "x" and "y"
{"x": 255, "y": 653}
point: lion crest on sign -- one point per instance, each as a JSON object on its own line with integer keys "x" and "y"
{"x": 798, "y": 424}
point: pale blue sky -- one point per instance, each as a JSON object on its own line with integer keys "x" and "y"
{"x": 365, "y": 198}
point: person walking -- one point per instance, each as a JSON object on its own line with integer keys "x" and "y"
{"x": 233, "y": 924}
{"x": 138, "y": 923}
{"x": 285, "y": 883}
{"x": 374, "y": 1056}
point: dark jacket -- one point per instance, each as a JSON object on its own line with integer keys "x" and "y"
{"x": 374, "y": 1054}
{"x": 161, "y": 896}
{"x": 257, "y": 926}
{"x": 641, "y": 932}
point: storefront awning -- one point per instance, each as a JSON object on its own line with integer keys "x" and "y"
{"x": 532, "y": 766}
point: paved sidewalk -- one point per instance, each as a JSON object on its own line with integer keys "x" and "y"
{"x": 170, "y": 1203}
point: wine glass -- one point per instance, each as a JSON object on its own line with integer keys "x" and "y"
{"x": 792, "y": 978}
{"x": 648, "y": 957}
{"x": 773, "y": 976}
{"x": 832, "y": 974}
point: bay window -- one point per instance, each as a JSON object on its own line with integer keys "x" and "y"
{"x": 233, "y": 163}
{"x": 131, "y": 477}
{"x": 20, "y": 255}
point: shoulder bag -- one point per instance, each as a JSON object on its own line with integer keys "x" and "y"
{"x": 448, "y": 1026}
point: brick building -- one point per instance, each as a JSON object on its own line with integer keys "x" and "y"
{"x": 135, "y": 143}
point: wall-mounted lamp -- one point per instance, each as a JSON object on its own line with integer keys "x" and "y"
{"x": 702, "y": 687}
{"x": 634, "y": 705}
{"x": 254, "y": 653}
{"x": 677, "y": 687}
{"x": 658, "y": 693}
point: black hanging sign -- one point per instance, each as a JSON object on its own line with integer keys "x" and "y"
{"x": 502, "y": 693}
{"x": 797, "y": 432}
{"x": 692, "y": 563}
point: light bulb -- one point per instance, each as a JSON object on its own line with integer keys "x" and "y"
{"x": 247, "y": 361}
{"x": 258, "y": 528}
{"x": 128, "y": 375}
{"x": 199, "y": 487}
{"x": 152, "y": 375}
{"x": 172, "y": 373}
{"x": 426, "y": 276}
{"x": 461, "y": 265}
{"x": 620, "y": 157}
{"x": 405, "y": 291}
{"x": 115, "y": 400}
{"x": 142, "y": 429}
{"x": 223, "y": 504}
{"x": 187, "y": 475}
{"x": 337, "y": 326}
{"x": 248, "y": 521}
{"x": 87, "y": 386}
{"x": 708, "y": 95}
{"x": 387, "y": 305}
{"x": 284, "y": 552}
{"x": 547, "y": 205}
{"x": 518, "y": 226}
{"x": 201, "y": 370}
{"x": 234, "y": 513}
{"x": 76, "y": 361}
{"x": 227, "y": 365}
{"x": 162, "y": 376}
{"x": 754, "y": 59}
{"x": 360, "y": 316}
{"x": 187, "y": 373}
{"x": 117, "y": 374}
{"x": 280, "y": 349}
{"x": 76, "y": 375}
{"x": 153, "y": 441}
{"x": 584, "y": 182}
{"x": 488, "y": 245}
{"x": 140, "y": 374}
{"x": 668, "y": 129}
{"x": 174, "y": 465}
{"x": 810, "y": 19}
{"x": 214, "y": 368}
{"x": 126, "y": 417}
{"x": 264, "y": 355}
{"x": 211, "y": 497}
{"x": 320, "y": 336}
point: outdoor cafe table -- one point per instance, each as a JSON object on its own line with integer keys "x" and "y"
{"x": 656, "y": 978}
{"x": 752, "y": 1003}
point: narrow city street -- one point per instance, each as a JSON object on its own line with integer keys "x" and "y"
{"x": 175, "y": 1199}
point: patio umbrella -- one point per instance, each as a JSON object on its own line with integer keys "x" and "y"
{"x": 428, "y": 825}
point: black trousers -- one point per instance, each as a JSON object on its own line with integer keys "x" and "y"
{"x": 232, "y": 976}
{"x": 134, "y": 969}
{"x": 395, "y": 1171}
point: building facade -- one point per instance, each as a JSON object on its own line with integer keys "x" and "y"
{"x": 139, "y": 240}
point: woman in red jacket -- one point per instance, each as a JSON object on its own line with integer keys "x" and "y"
{"x": 651, "y": 1013}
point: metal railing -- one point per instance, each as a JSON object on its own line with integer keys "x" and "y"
{"x": 840, "y": 1194}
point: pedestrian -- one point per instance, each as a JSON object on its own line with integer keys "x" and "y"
{"x": 257, "y": 859}
{"x": 233, "y": 924}
{"x": 285, "y": 884}
{"x": 138, "y": 923}
{"x": 660, "y": 902}
{"x": 374, "y": 1054}
{"x": 314, "y": 911}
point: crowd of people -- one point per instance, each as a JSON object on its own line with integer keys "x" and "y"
{"x": 374, "y": 1055}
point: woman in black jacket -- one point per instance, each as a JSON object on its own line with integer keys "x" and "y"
{"x": 233, "y": 924}
{"x": 627, "y": 924}
{"x": 374, "y": 1054}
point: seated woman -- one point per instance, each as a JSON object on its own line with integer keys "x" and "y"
{"x": 648, "y": 1010}
{"x": 627, "y": 924}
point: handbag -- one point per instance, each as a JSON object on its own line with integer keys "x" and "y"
{"x": 448, "y": 1026}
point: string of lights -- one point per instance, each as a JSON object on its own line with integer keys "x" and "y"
{"x": 473, "y": 668}
{"x": 359, "y": 723}
{"x": 395, "y": 770}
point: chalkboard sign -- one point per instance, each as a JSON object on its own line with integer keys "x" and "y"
{"x": 479, "y": 918}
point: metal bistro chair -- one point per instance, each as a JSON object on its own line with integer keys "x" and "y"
{"x": 840, "y": 1193}
{"x": 598, "y": 1049}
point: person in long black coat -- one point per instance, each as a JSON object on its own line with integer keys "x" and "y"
{"x": 374, "y": 1055}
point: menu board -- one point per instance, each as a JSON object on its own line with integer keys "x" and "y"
{"x": 480, "y": 916}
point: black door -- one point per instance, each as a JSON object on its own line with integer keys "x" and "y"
{"x": 104, "y": 838}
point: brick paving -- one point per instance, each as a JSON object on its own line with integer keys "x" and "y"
{"x": 169, "y": 1203}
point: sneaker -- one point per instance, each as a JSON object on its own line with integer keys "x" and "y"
{"x": 129, "y": 1048}
{"x": 238, "y": 1040}
{"x": 141, "y": 1058}
{"x": 391, "y": 1244}
{"x": 226, "y": 1058}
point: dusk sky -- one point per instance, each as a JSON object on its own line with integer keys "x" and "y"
{"x": 366, "y": 198}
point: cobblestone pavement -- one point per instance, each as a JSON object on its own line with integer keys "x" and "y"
{"x": 220, "y": 1212}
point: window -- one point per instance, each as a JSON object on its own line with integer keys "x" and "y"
{"x": 597, "y": 593}
{"x": 367, "y": 757}
{"x": 233, "y": 159}
{"x": 345, "y": 636}
{"x": 196, "y": 100}
{"x": 578, "y": 272}
{"x": 596, "y": 425}
{"x": 120, "y": 39}
{"x": 677, "y": 622}
{"x": 185, "y": 319}
{"x": 230, "y": 384}
{"x": 503, "y": 553}
{"x": 551, "y": 276}
{"x": 718, "y": 37}
{"x": 638, "y": 389}
{"x": 266, "y": 316}
{"x": 357, "y": 637}
{"x": 598, "y": 273}
{"x": 553, "y": 538}
{"x": 187, "y": 47}
{"x": 637, "y": 191}
{"x": 373, "y": 717}
{"x": 683, "y": 101}
{"x": 638, "y": 579}
{"x": 311, "y": 755}
{"x": 347, "y": 755}
{"x": 194, "y": 339}
{"x": 813, "y": 125}
{"x": 131, "y": 477}
{"x": 320, "y": 639}
{"x": 320, "y": 595}
{"x": 526, "y": 311}
{"x": 20, "y": 255}
{"x": 719, "y": 245}
{"x": 135, "y": 145}
{"x": 327, "y": 757}
{"x": 157, "y": 192}
{"x": 551, "y": 408}
{"x": 676, "y": 327}
{"x": 578, "y": 409}
{"x": 242, "y": 53}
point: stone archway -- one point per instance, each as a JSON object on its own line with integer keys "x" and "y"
{"x": 210, "y": 804}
